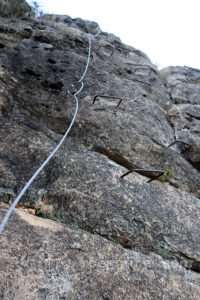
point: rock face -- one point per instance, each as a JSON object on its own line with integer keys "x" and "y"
{"x": 58, "y": 262}
{"x": 184, "y": 86}
{"x": 119, "y": 238}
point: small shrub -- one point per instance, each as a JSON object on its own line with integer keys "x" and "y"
{"x": 167, "y": 175}
{"x": 15, "y": 8}
{"x": 36, "y": 8}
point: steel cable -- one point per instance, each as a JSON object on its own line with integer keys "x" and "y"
{"x": 16, "y": 201}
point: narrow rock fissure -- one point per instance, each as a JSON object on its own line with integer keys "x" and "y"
{"x": 184, "y": 260}
{"x": 194, "y": 117}
{"x": 115, "y": 157}
{"x": 127, "y": 243}
{"x": 168, "y": 255}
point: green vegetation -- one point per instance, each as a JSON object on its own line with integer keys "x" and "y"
{"x": 18, "y": 8}
{"x": 165, "y": 253}
{"x": 167, "y": 175}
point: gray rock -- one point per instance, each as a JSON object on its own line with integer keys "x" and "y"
{"x": 186, "y": 122}
{"x": 41, "y": 61}
{"x": 46, "y": 260}
{"x": 147, "y": 217}
{"x": 184, "y": 86}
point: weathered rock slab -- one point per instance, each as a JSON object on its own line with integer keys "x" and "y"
{"x": 41, "y": 259}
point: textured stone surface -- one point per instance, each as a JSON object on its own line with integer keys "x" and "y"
{"x": 184, "y": 86}
{"x": 41, "y": 61}
{"x": 146, "y": 217}
{"x": 52, "y": 261}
